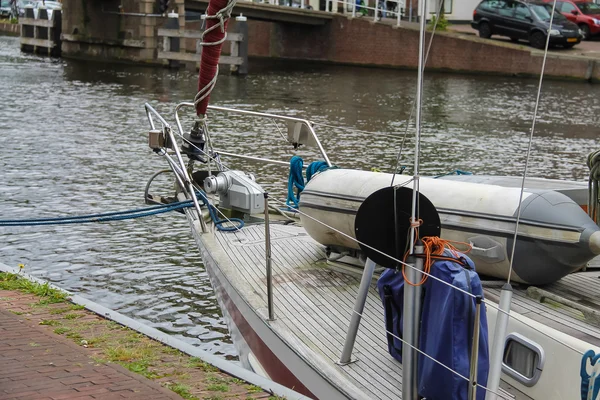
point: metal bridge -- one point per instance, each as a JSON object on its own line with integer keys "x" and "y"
{"x": 269, "y": 12}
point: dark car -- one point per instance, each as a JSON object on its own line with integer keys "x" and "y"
{"x": 583, "y": 13}
{"x": 524, "y": 20}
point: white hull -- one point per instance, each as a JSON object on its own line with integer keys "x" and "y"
{"x": 297, "y": 358}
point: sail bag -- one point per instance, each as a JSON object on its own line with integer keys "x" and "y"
{"x": 446, "y": 327}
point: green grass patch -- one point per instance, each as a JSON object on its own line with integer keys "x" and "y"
{"x": 61, "y": 330}
{"x": 140, "y": 368}
{"x": 49, "y": 322}
{"x": 59, "y": 311}
{"x": 195, "y": 362}
{"x": 76, "y": 307}
{"x": 143, "y": 354}
{"x": 17, "y": 312}
{"x": 253, "y": 388}
{"x": 72, "y": 316}
{"x": 49, "y": 295}
{"x": 181, "y": 390}
{"x": 74, "y": 335}
{"x": 218, "y": 387}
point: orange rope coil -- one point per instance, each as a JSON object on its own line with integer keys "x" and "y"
{"x": 434, "y": 249}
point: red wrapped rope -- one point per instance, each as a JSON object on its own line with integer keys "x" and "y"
{"x": 211, "y": 54}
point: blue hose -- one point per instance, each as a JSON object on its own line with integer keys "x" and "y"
{"x": 105, "y": 217}
{"x": 219, "y": 222}
{"x": 128, "y": 214}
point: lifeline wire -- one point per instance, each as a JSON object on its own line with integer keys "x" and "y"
{"x": 412, "y": 109}
{"x": 535, "y": 112}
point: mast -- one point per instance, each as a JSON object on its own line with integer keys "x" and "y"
{"x": 412, "y": 294}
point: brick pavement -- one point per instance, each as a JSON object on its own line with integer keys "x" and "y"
{"x": 36, "y": 365}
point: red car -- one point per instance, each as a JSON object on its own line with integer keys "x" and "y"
{"x": 584, "y": 13}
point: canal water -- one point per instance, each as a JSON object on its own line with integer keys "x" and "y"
{"x": 74, "y": 142}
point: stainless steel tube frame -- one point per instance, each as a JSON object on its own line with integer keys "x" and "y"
{"x": 307, "y": 123}
{"x": 475, "y": 350}
{"x": 497, "y": 350}
{"x": 359, "y": 306}
{"x": 186, "y": 178}
{"x": 410, "y": 328}
{"x": 268, "y": 260}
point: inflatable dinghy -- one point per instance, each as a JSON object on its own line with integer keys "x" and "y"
{"x": 556, "y": 236}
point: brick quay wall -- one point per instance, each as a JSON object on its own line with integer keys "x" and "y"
{"x": 361, "y": 42}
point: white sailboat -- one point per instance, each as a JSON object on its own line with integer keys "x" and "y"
{"x": 296, "y": 285}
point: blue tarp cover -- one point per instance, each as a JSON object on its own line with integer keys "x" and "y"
{"x": 446, "y": 330}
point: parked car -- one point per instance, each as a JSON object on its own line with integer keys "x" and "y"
{"x": 524, "y": 20}
{"x": 4, "y": 8}
{"x": 584, "y": 13}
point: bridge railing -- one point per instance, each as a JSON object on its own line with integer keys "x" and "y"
{"x": 237, "y": 58}
{"x": 350, "y": 6}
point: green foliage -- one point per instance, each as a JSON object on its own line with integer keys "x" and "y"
{"x": 195, "y": 362}
{"x": 218, "y": 387}
{"x": 49, "y": 295}
{"x": 181, "y": 390}
{"x": 49, "y": 322}
{"x": 442, "y": 24}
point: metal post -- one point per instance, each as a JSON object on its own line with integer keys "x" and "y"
{"x": 497, "y": 350}
{"x": 174, "y": 42}
{"x": 410, "y": 327}
{"x": 398, "y": 14}
{"x": 375, "y": 13}
{"x": 475, "y": 350}
{"x": 241, "y": 27}
{"x": 353, "y": 8}
{"x": 359, "y": 306}
{"x": 410, "y": 11}
{"x": 268, "y": 259}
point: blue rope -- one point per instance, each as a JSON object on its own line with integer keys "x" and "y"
{"x": 314, "y": 167}
{"x": 455, "y": 172}
{"x": 296, "y": 179}
{"x": 219, "y": 222}
{"x": 128, "y": 214}
{"x": 105, "y": 217}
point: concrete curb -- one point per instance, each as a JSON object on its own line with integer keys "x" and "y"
{"x": 222, "y": 364}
